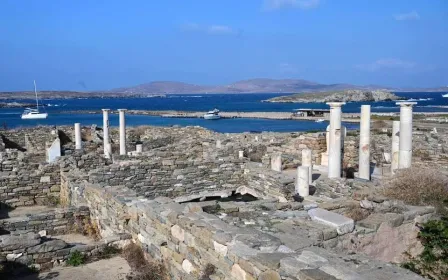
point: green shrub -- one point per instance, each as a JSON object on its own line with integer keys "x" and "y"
{"x": 76, "y": 259}
{"x": 433, "y": 261}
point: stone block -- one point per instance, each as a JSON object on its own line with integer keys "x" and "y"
{"x": 220, "y": 249}
{"x": 341, "y": 223}
{"x": 188, "y": 267}
{"x": 45, "y": 179}
{"x": 178, "y": 233}
{"x": 269, "y": 275}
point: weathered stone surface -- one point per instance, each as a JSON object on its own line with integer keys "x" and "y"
{"x": 269, "y": 275}
{"x": 178, "y": 233}
{"x": 16, "y": 242}
{"x": 342, "y": 224}
{"x": 314, "y": 274}
{"x": 48, "y": 246}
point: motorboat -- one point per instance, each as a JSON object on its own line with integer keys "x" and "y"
{"x": 320, "y": 120}
{"x": 445, "y": 95}
{"x": 34, "y": 114}
{"x": 212, "y": 115}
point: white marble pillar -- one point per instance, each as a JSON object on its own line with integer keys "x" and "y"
{"x": 241, "y": 154}
{"x": 108, "y": 151}
{"x": 302, "y": 182}
{"x": 105, "y": 129}
{"x": 307, "y": 161}
{"x": 78, "y": 139}
{"x": 139, "y": 148}
{"x": 122, "y": 121}
{"x": 364, "y": 143}
{"x": 276, "y": 162}
{"x": 335, "y": 147}
{"x": 395, "y": 146}
{"x": 405, "y": 153}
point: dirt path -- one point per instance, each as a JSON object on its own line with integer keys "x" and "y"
{"x": 110, "y": 269}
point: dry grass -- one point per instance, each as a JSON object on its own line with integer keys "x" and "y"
{"x": 86, "y": 226}
{"x": 419, "y": 186}
{"x": 357, "y": 213}
{"x": 142, "y": 269}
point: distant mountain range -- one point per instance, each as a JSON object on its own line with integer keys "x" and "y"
{"x": 251, "y": 86}
{"x": 244, "y": 86}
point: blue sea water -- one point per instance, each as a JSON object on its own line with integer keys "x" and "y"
{"x": 427, "y": 102}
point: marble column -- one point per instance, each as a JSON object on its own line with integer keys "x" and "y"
{"x": 139, "y": 148}
{"x": 302, "y": 182}
{"x": 240, "y": 154}
{"x": 395, "y": 146}
{"x": 405, "y": 153}
{"x": 78, "y": 139}
{"x": 335, "y": 147}
{"x": 364, "y": 143}
{"x": 105, "y": 130}
{"x": 108, "y": 151}
{"x": 276, "y": 162}
{"x": 122, "y": 121}
{"x": 307, "y": 161}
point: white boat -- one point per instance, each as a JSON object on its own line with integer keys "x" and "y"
{"x": 212, "y": 115}
{"x": 34, "y": 114}
{"x": 320, "y": 120}
{"x": 445, "y": 95}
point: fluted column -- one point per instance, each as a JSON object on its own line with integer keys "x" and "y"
{"x": 395, "y": 146}
{"x": 78, "y": 139}
{"x": 334, "y": 154}
{"x": 364, "y": 143}
{"x": 122, "y": 121}
{"x": 106, "y": 132}
{"x": 405, "y": 154}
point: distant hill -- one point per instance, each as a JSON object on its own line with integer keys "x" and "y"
{"x": 160, "y": 88}
{"x": 336, "y": 96}
{"x": 244, "y": 86}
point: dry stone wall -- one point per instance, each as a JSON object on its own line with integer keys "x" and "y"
{"x": 23, "y": 183}
{"x": 187, "y": 240}
{"x": 54, "y": 221}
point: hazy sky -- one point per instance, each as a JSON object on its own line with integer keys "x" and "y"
{"x": 103, "y": 44}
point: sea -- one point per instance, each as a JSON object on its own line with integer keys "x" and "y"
{"x": 58, "y": 110}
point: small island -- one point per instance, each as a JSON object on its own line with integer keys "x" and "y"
{"x": 337, "y": 96}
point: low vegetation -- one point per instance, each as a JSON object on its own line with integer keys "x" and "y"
{"x": 86, "y": 226}
{"x": 76, "y": 259}
{"x": 357, "y": 213}
{"x": 141, "y": 268}
{"x": 420, "y": 186}
{"x": 432, "y": 263}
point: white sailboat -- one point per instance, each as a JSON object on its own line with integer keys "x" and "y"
{"x": 445, "y": 95}
{"x": 34, "y": 114}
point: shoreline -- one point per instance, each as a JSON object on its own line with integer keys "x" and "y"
{"x": 224, "y": 115}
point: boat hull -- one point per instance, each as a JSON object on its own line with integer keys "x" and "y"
{"x": 35, "y": 116}
{"x": 212, "y": 117}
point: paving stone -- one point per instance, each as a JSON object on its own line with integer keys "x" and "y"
{"x": 342, "y": 224}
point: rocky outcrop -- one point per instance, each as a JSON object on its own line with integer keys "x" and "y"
{"x": 337, "y": 96}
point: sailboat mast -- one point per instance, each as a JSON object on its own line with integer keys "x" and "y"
{"x": 35, "y": 92}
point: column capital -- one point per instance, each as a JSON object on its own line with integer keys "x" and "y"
{"x": 105, "y": 110}
{"x": 122, "y": 110}
{"x": 406, "y": 104}
{"x": 335, "y": 104}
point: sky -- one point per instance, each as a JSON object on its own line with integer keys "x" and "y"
{"x": 104, "y": 44}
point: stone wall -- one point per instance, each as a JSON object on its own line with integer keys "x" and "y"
{"x": 188, "y": 239}
{"x": 43, "y": 252}
{"x": 28, "y": 184}
{"x": 171, "y": 177}
{"x": 54, "y": 221}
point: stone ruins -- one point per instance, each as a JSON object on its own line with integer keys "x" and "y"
{"x": 254, "y": 206}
